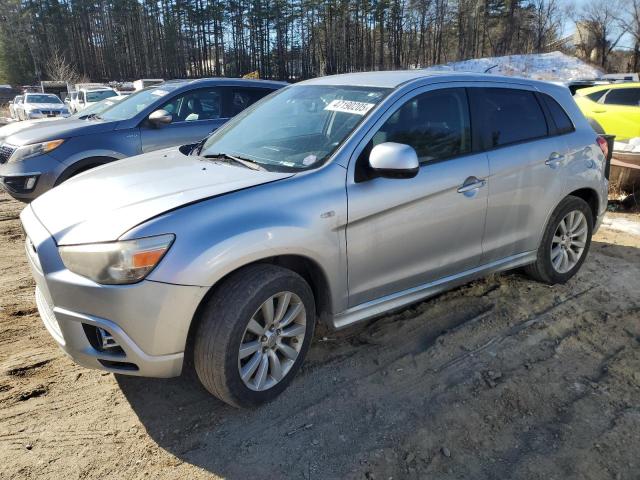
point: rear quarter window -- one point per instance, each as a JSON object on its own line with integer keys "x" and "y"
{"x": 507, "y": 115}
{"x": 595, "y": 96}
{"x": 560, "y": 118}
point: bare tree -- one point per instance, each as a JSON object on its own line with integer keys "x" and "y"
{"x": 630, "y": 19}
{"x": 57, "y": 68}
{"x": 547, "y": 22}
{"x": 602, "y": 22}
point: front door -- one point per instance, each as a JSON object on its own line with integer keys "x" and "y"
{"x": 195, "y": 114}
{"x": 403, "y": 233}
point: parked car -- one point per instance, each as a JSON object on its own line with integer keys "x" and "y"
{"x": 175, "y": 113}
{"x": 88, "y": 96}
{"x": 613, "y": 109}
{"x": 95, "y": 109}
{"x": 14, "y": 105}
{"x": 70, "y": 100}
{"x": 336, "y": 200}
{"x": 42, "y": 105}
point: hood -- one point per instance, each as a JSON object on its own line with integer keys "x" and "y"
{"x": 66, "y": 128}
{"x": 44, "y": 106}
{"x": 104, "y": 203}
{"x": 15, "y": 127}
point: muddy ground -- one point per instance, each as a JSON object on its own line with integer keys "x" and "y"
{"x": 504, "y": 378}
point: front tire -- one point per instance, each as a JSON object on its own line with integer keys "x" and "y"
{"x": 565, "y": 243}
{"x": 253, "y": 334}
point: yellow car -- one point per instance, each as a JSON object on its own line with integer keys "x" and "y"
{"x": 612, "y": 108}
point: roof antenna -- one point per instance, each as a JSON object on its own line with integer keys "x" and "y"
{"x": 490, "y": 68}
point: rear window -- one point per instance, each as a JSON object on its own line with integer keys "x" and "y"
{"x": 238, "y": 98}
{"x": 562, "y": 121}
{"x": 507, "y": 116}
{"x": 629, "y": 97}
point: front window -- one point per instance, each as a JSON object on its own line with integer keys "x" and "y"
{"x": 97, "y": 95}
{"x": 436, "y": 124}
{"x": 42, "y": 99}
{"x": 137, "y": 102}
{"x": 297, "y": 128}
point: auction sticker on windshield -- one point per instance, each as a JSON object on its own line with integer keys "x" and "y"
{"x": 159, "y": 93}
{"x": 349, "y": 106}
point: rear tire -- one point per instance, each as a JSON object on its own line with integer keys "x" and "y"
{"x": 565, "y": 243}
{"x": 253, "y": 334}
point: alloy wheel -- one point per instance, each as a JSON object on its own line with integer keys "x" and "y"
{"x": 569, "y": 241}
{"x": 272, "y": 341}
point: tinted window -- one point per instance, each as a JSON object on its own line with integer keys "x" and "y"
{"x": 436, "y": 124}
{"x": 623, "y": 96}
{"x": 507, "y": 116}
{"x": 237, "y": 99}
{"x": 595, "y": 96}
{"x": 560, "y": 118}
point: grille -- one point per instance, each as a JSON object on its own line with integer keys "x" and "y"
{"x": 5, "y": 153}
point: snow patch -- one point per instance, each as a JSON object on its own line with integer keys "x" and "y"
{"x": 553, "y": 66}
{"x": 622, "y": 225}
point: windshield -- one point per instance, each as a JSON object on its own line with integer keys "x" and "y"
{"x": 297, "y": 128}
{"x": 97, "y": 95}
{"x": 97, "y": 107}
{"x": 136, "y": 102}
{"x": 42, "y": 99}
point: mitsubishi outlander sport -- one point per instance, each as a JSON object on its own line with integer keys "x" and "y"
{"x": 334, "y": 200}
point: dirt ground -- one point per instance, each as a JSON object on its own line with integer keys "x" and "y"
{"x": 503, "y": 378}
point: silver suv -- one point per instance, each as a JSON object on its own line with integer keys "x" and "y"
{"x": 334, "y": 200}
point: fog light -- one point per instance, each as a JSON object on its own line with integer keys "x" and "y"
{"x": 30, "y": 182}
{"x": 106, "y": 340}
{"x": 102, "y": 340}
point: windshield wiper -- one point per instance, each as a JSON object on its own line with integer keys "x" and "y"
{"x": 242, "y": 161}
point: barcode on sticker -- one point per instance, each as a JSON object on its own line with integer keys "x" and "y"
{"x": 349, "y": 106}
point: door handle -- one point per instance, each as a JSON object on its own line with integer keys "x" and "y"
{"x": 471, "y": 183}
{"x": 554, "y": 160}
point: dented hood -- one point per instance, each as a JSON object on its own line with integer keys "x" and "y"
{"x": 104, "y": 203}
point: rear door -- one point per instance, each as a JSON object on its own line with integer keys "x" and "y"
{"x": 526, "y": 168}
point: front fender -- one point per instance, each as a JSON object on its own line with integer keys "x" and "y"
{"x": 115, "y": 144}
{"x": 304, "y": 215}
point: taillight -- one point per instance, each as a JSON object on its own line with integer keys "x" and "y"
{"x": 604, "y": 146}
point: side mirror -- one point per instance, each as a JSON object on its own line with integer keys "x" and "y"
{"x": 160, "y": 118}
{"x": 394, "y": 160}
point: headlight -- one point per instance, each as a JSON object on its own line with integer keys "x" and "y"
{"x": 115, "y": 263}
{"x": 27, "y": 151}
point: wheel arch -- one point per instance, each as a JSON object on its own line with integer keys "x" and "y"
{"x": 304, "y": 266}
{"x": 590, "y": 196}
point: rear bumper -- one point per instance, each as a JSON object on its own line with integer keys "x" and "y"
{"x": 149, "y": 321}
